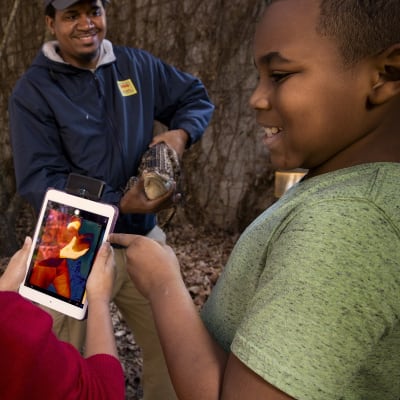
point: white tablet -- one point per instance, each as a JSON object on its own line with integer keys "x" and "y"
{"x": 68, "y": 234}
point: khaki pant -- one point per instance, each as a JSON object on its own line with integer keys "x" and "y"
{"x": 138, "y": 316}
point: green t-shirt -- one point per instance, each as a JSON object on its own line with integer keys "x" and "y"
{"x": 310, "y": 297}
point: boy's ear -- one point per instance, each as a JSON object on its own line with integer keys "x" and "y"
{"x": 387, "y": 82}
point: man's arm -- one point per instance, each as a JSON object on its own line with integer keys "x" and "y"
{"x": 38, "y": 157}
{"x": 184, "y": 103}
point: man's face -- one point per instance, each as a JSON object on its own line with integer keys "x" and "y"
{"x": 312, "y": 108}
{"x": 80, "y": 30}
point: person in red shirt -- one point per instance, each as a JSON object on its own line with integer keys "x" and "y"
{"x": 34, "y": 364}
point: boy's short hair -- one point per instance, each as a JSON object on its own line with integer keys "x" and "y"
{"x": 361, "y": 28}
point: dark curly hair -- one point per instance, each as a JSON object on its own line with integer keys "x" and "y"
{"x": 361, "y": 28}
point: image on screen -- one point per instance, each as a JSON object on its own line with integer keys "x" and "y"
{"x": 64, "y": 252}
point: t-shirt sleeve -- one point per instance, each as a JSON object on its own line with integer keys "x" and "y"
{"x": 36, "y": 365}
{"x": 327, "y": 295}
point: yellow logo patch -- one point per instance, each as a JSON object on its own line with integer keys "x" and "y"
{"x": 127, "y": 88}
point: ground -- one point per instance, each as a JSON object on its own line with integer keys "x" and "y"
{"x": 202, "y": 255}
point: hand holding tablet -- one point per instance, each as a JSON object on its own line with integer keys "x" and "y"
{"x": 69, "y": 232}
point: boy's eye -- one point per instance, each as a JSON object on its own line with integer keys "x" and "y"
{"x": 278, "y": 76}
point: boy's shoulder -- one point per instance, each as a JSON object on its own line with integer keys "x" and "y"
{"x": 372, "y": 185}
{"x": 364, "y": 180}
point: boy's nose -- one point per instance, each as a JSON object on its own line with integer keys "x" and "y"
{"x": 259, "y": 100}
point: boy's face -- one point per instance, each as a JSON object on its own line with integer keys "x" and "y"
{"x": 80, "y": 30}
{"x": 312, "y": 109}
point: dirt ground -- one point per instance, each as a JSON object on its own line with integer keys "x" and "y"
{"x": 202, "y": 255}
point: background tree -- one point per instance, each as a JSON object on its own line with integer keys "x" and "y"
{"x": 228, "y": 180}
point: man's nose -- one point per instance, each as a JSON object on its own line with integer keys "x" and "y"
{"x": 85, "y": 22}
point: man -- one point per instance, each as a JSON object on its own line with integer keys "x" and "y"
{"x": 88, "y": 107}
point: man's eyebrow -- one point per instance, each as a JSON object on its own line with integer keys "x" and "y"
{"x": 271, "y": 57}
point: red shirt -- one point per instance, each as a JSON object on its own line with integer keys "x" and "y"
{"x": 35, "y": 365}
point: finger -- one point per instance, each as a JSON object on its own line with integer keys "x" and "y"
{"x": 156, "y": 139}
{"x": 16, "y": 268}
{"x": 23, "y": 252}
{"x": 103, "y": 254}
{"x": 104, "y": 250}
{"x": 26, "y": 249}
{"x": 27, "y": 246}
{"x": 110, "y": 257}
{"x": 122, "y": 239}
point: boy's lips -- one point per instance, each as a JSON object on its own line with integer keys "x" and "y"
{"x": 271, "y": 131}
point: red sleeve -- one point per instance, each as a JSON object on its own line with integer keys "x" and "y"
{"x": 35, "y": 365}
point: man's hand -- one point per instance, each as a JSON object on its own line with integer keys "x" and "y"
{"x": 135, "y": 201}
{"x": 16, "y": 269}
{"x": 176, "y": 139}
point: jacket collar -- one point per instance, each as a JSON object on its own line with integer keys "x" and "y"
{"x": 107, "y": 55}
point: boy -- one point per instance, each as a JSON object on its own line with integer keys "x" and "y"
{"x": 308, "y": 305}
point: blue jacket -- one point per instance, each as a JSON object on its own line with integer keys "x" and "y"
{"x": 64, "y": 119}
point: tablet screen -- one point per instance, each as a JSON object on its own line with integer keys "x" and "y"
{"x": 66, "y": 246}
